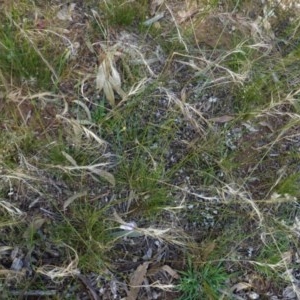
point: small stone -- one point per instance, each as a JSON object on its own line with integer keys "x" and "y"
{"x": 289, "y": 293}
{"x": 253, "y": 295}
{"x": 17, "y": 264}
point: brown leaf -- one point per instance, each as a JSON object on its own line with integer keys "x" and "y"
{"x": 169, "y": 270}
{"x": 136, "y": 280}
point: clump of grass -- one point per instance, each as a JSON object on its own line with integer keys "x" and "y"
{"x": 124, "y": 13}
{"x": 201, "y": 283}
{"x": 84, "y": 228}
{"x": 19, "y": 59}
{"x": 290, "y": 185}
{"x": 147, "y": 183}
{"x": 23, "y": 60}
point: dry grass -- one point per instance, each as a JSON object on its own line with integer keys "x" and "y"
{"x": 149, "y": 159}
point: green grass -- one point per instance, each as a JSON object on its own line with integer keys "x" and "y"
{"x": 23, "y": 60}
{"x": 124, "y": 13}
{"x": 201, "y": 283}
{"x": 202, "y": 157}
{"x": 290, "y": 185}
{"x": 87, "y": 233}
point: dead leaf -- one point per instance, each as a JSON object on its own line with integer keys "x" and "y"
{"x": 222, "y": 119}
{"x": 154, "y": 5}
{"x": 129, "y": 226}
{"x": 153, "y": 270}
{"x": 105, "y": 175}
{"x": 249, "y": 127}
{"x": 136, "y": 280}
{"x": 69, "y": 158}
{"x": 86, "y": 109}
{"x": 11, "y": 209}
{"x": 186, "y": 14}
{"x": 241, "y": 286}
{"x": 183, "y": 95}
{"x": 266, "y": 124}
{"x": 170, "y": 271}
{"x": 35, "y": 225}
{"x": 108, "y": 79}
{"x": 65, "y": 13}
{"x": 72, "y": 198}
{"x": 4, "y": 249}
